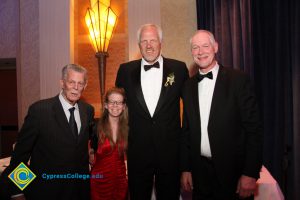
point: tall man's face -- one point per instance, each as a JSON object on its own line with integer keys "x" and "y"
{"x": 72, "y": 86}
{"x": 203, "y": 51}
{"x": 150, "y": 45}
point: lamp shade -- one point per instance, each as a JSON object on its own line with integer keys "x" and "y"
{"x": 101, "y": 21}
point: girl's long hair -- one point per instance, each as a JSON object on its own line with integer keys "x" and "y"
{"x": 104, "y": 127}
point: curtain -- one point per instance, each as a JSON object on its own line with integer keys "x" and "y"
{"x": 262, "y": 39}
{"x": 277, "y": 62}
{"x": 230, "y": 22}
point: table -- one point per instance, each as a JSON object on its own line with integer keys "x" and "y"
{"x": 268, "y": 188}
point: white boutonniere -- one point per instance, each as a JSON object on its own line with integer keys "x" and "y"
{"x": 170, "y": 79}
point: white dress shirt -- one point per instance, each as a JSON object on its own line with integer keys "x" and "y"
{"x": 205, "y": 90}
{"x": 151, "y": 82}
{"x": 66, "y": 106}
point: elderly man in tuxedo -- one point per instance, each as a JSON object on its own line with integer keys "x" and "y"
{"x": 221, "y": 152}
{"x": 153, "y": 88}
{"x": 54, "y": 137}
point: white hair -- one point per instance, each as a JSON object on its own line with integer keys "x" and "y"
{"x": 158, "y": 29}
{"x": 211, "y": 36}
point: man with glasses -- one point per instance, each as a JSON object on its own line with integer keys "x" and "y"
{"x": 153, "y": 89}
{"x": 55, "y": 137}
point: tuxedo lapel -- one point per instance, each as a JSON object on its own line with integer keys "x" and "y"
{"x": 218, "y": 95}
{"x": 136, "y": 78}
{"x": 83, "y": 118}
{"x": 61, "y": 118}
{"x": 191, "y": 105}
{"x": 164, "y": 89}
{"x": 195, "y": 102}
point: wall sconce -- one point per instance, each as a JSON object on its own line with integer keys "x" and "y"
{"x": 101, "y": 21}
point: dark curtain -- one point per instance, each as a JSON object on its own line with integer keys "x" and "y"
{"x": 262, "y": 39}
{"x": 230, "y": 22}
{"x": 277, "y": 61}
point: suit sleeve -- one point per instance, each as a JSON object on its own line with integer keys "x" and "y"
{"x": 184, "y": 142}
{"x": 26, "y": 138}
{"x": 91, "y": 122}
{"x": 24, "y": 145}
{"x": 186, "y": 73}
{"x": 252, "y": 127}
{"x": 93, "y": 130}
{"x": 120, "y": 77}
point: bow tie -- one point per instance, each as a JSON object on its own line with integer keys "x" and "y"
{"x": 147, "y": 67}
{"x": 202, "y": 76}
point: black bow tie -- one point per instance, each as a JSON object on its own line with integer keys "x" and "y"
{"x": 202, "y": 76}
{"x": 147, "y": 67}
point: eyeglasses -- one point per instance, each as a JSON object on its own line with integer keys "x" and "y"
{"x": 118, "y": 103}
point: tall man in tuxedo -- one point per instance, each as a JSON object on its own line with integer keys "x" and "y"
{"x": 221, "y": 153}
{"x": 54, "y": 137}
{"x": 153, "y": 88}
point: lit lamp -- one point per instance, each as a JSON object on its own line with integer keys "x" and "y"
{"x": 101, "y": 20}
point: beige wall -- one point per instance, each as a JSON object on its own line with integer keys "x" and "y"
{"x": 140, "y": 12}
{"x": 178, "y": 21}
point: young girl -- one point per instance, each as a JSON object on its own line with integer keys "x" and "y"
{"x": 108, "y": 174}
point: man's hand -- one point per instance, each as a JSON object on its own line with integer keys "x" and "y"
{"x": 246, "y": 186}
{"x": 91, "y": 156}
{"x": 186, "y": 181}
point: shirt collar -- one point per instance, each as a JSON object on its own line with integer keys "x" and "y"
{"x": 65, "y": 104}
{"x": 159, "y": 59}
{"x": 214, "y": 70}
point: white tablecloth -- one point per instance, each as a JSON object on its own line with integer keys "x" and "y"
{"x": 268, "y": 188}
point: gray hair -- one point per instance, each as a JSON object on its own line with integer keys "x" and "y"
{"x": 211, "y": 36}
{"x": 158, "y": 29}
{"x": 74, "y": 67}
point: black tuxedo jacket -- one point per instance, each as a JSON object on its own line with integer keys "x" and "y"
{"x": 234, "y": 128}
{"x": 153, "y": 141}
{"x": 46, "y": 139}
